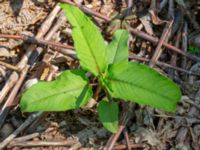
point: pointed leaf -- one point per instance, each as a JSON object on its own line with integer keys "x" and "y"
{"x": 108, "y": 115}
{"x": 118, "y": 48}
{"x": 88, "y": 41}
{"x": 141, "y": 84}
{"x": 71, "y": 90}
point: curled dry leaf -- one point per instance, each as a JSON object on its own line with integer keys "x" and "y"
{"x": 4, "y": 52}
{"x": 147, "y": 24}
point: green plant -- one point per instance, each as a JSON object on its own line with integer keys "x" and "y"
{"x": 193, "y": 50}
{"x": 119, "y": 78}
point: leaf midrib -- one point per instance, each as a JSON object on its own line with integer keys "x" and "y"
{"x": 58, "y": 93}
{"x": 90, "y": 49}
{"x": 130, "y": 83}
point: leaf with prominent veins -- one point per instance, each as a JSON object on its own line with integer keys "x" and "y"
{"x": 139, "y": 83}
{"x": 71, "y": 90}
{"x": 118, "y": 48}
{"x": 88, "y": 41}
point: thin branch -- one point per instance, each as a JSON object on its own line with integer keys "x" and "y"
{"x": 25, "y": 138}
{"x": 8, "y": 86}
{"x": 127, "y": 139}
{"x": 23, "y": 62}
{"x": 132, "y": 146}
{"x": 28, "y": 121}
{"x": 11, "y": 98}
{"x": 87, "y": 10}
{"x": 9, "y": 66}
{"x": 155, "y": 40}
{"x": 43, "y": 143}
{"x": 135, "y": 57}
{"x": 159, "y": 49}
{"x": 35, "y": 40}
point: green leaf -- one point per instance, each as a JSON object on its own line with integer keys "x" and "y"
{"x": 141, "y": 84}
{"x": 88, "y": 41}
{"x": 193, "y": 50}
{"x": 71, "y": 90}
{"x": 108, "y": 115}
{"x": 118, "y": 48}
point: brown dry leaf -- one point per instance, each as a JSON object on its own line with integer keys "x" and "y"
{"x": 181, "y": 135}
{"x": 171, "y": 134}
{"x": 183, "y": 146}
{"x": 16, "y": 16}
{"x": 107, "y": 10}
{"x": 146, "y": 135}
{"x": 145, "y": 20}
{"x": 4, "y": 52}
{"x": 92, "y": 102}
{"x": 78, "y": 1}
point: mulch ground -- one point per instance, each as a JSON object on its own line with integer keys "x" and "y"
{"x": 24, "y": 63}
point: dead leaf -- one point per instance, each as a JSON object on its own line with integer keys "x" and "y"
{"x": 147, "y": 24}
{"x": 4, "y": 52}
{"x": 146, "y": 135}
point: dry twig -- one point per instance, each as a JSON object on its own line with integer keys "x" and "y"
{"x": 158, "y": 50}
{"x": 9, "y": 66}
{"x": 43, "y": 143}
{"x": 28, "y": 121}
{"x": 11, "y": 98}
{"x": 87, "y": 10}
{"x": 167, "y": 45}
{"x": 135, "y": 57}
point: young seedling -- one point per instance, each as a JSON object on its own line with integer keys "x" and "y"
{"x": 119, "y": 78}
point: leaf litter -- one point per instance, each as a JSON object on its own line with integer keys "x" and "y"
{"x": 152, "y": 128}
